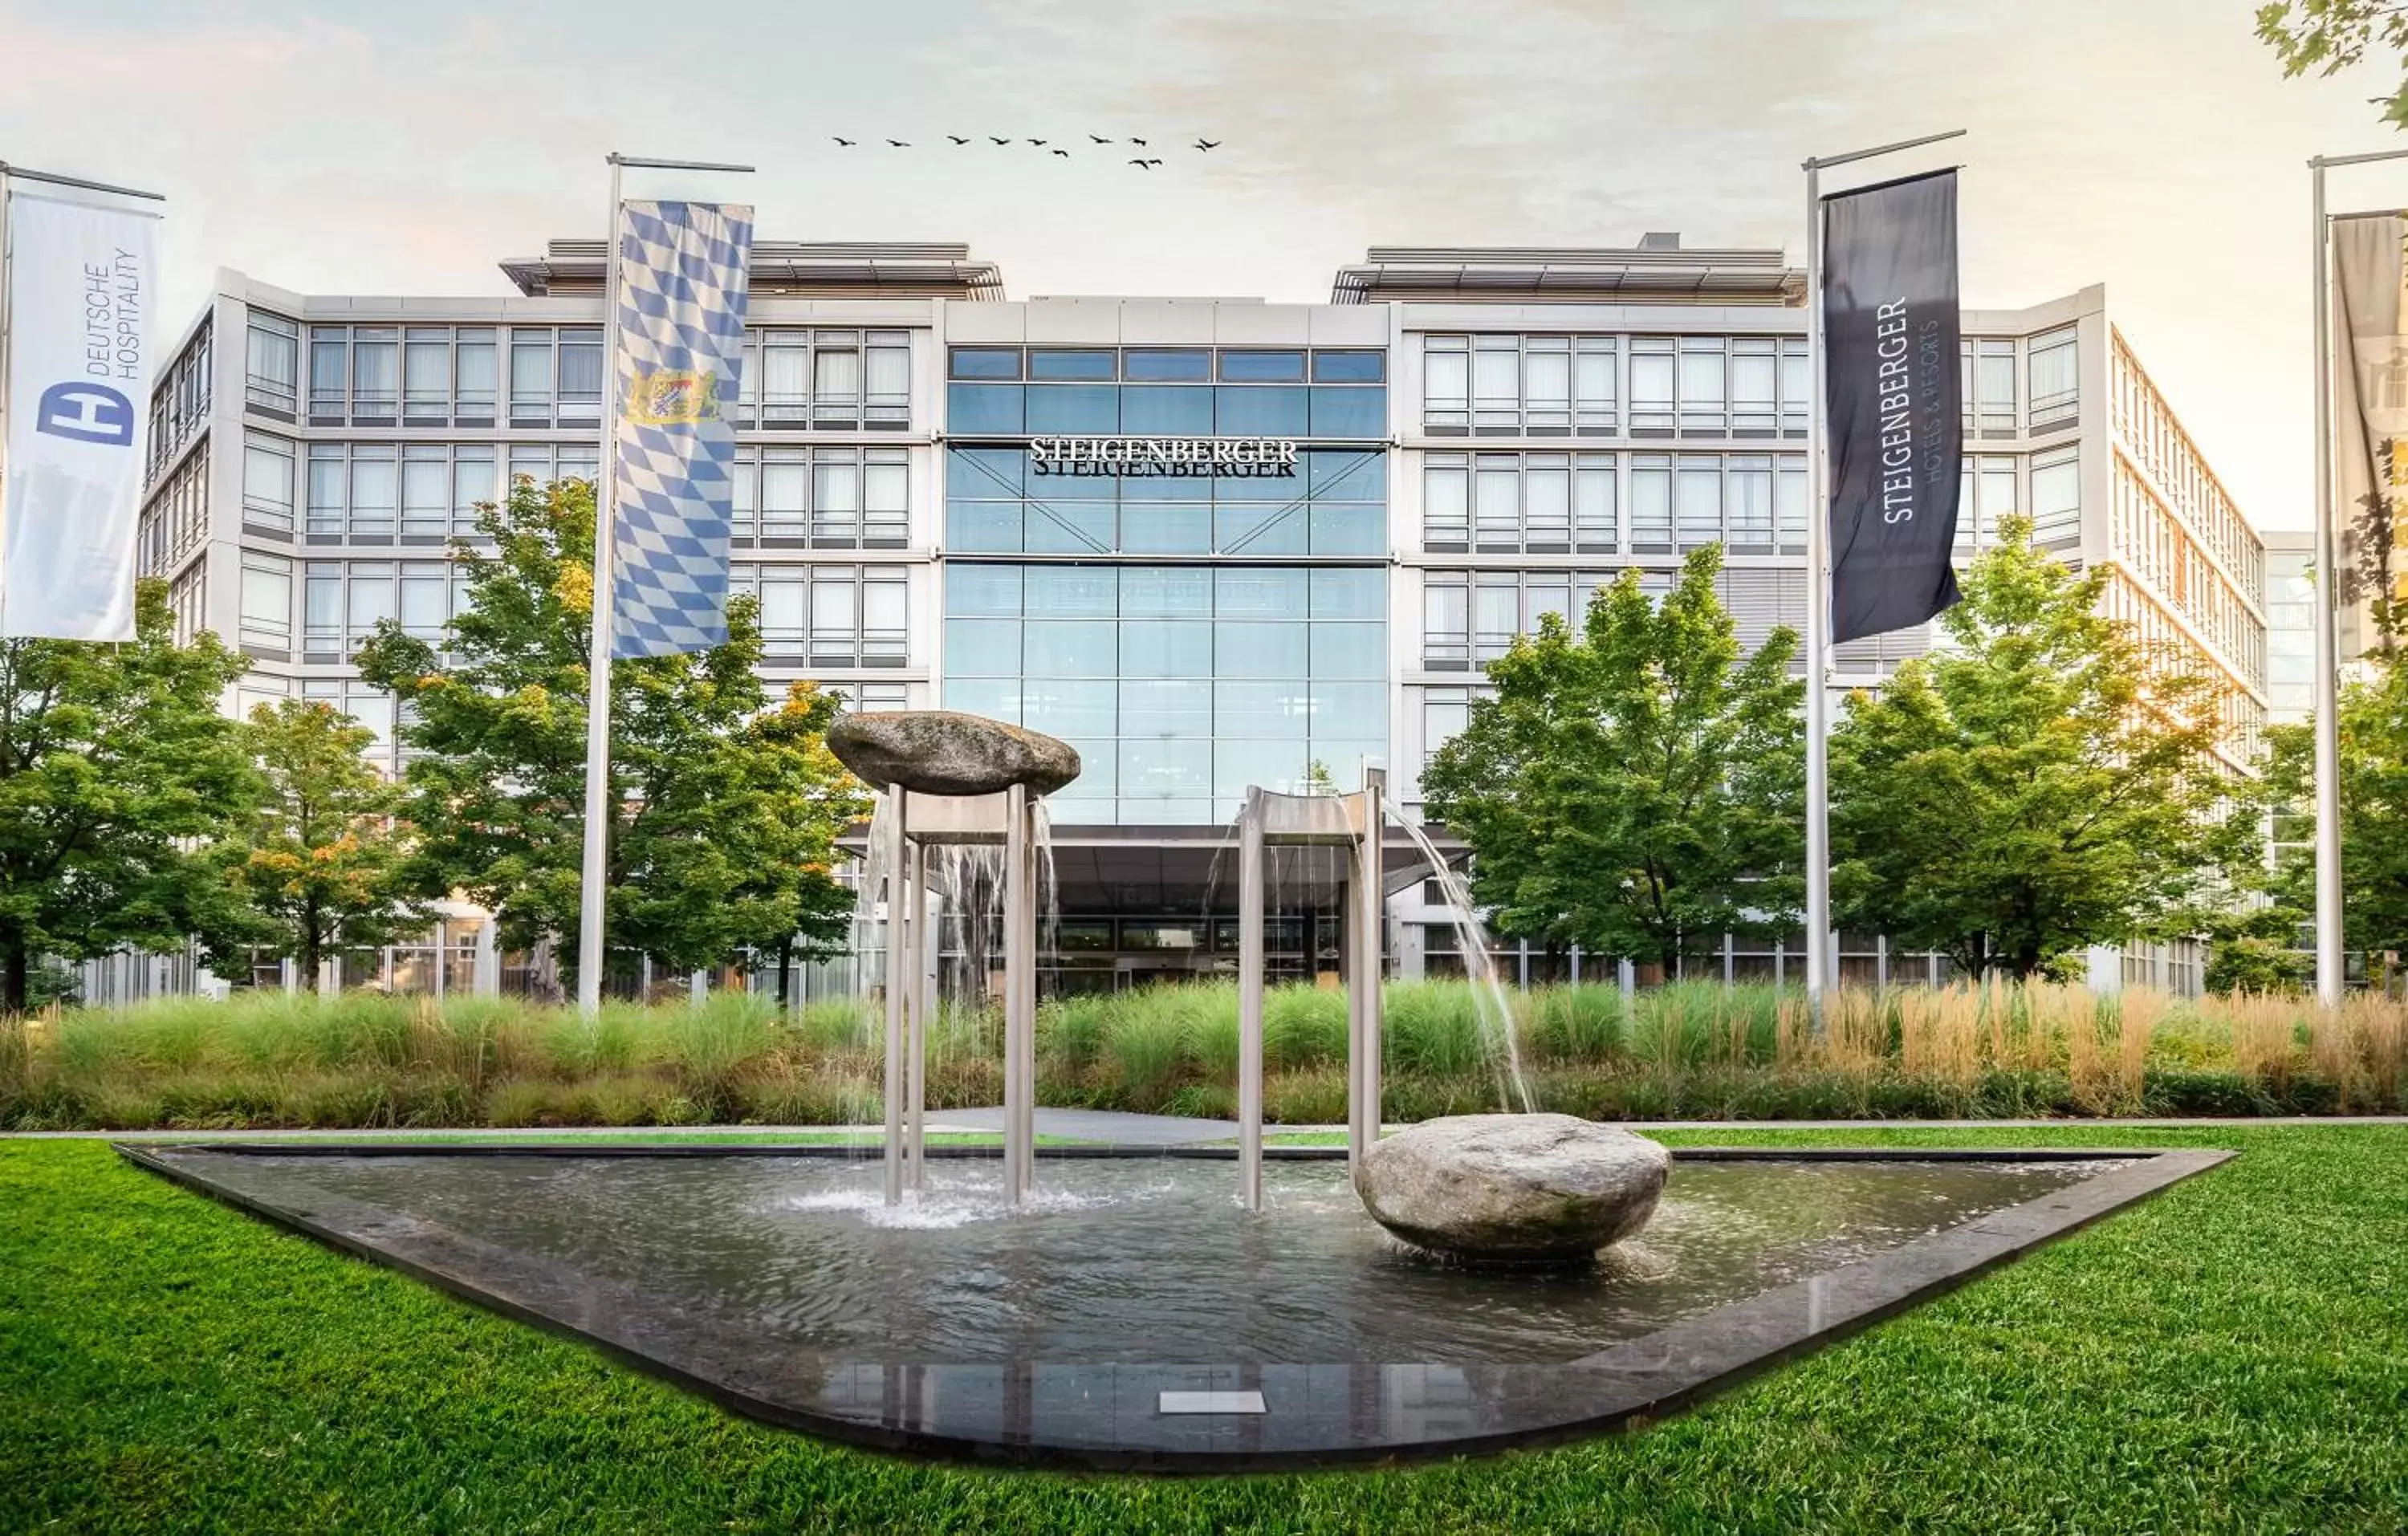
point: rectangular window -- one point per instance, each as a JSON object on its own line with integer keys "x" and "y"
{"x": 1989, "y": 384}
{"x": 1702, "y": 387}
{"x": 835, "y": 628}
{"x": 321, "y": 618}
{"x": 472, "y": 485}
{"x": 1446, "y": 501}
{"x": 1446, "y": 383}
{"x": 375, "y": 492}
{"x": 426, "y": 376}
{"x": 272, "y": 363}
{"x": 1755, "y": 387}
{"x": 474, "y": 378}
{"x": 1698, "y": 500}
{"x": 1652, "y": 361}
{"x": 1446, "y": 620}
{"x": 329, "y": 372}
{"x": 326, "y": 487}
{"x": 785, "y": 496}
{"x": 1651, "y": 503}
{"x": 1547, "y": 384}
{"x": 376, "y": 374}
{"x": 836, "y": 500}
{"x": 1789, "y": 504}
{"x": 885, "y": 499}
{"x": 2057, "y": 497}
{"x": 267, "y": 481}
{"x": 266, "y": 600}
{"x": 1592, "y": 384}
{"x": 886, "y": 367}
{"x": 1797, "y": 386}
{"x": 371, "y": 602}
{"x": 1749, "y": 492}
{"x": 425, "y": 599}
{"x": 1496, "y": 614}
{"x": 1496, "y": 502}
{"x": 2054, "y": 381}
{"x": 1547, "y": 503}
{"x": 425, "y": 493}
{"x": 1445, "y": 713}
{"x": 835, "y": 378}
{"x": 531, "y": 378}
{"x": 883, "y": 624}
{"x": 1497, "y": 383}
{"x": 580, "y": 378}
{"x": 1593, "y": 502}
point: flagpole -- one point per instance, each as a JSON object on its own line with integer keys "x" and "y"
{"x": 1822, "y": 958}
{"x": 594, "y": 881}
{"x": 2326, "y": 696}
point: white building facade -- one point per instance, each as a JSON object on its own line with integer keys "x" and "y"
{"x": 1373, "y": 496}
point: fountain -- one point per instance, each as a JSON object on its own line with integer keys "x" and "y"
{"x": 952, "y": 780}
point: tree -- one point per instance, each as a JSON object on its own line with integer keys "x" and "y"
{"x": 323, "y": 865}
{"x": 725, "y": 809}
{"x": 119, "y": 780}
{"x": 2329, "y": 36}
{"x": 2374, "y": 811}
{"x": 1635, "y": 787}
{"x": 2043, "y": 783}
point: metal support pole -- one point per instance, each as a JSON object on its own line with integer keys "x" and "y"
{"x": 2327, "y": 694}
{"x": 596, "y": 873}
{"x": 1822, "y": 968}
{"x": 1369, "y": 945}
{"x": 915, "y": 1013}
{"x": 899, "y": 966}
{"x": 1019, "y": 994}
{"x": 1250, "y": 1001}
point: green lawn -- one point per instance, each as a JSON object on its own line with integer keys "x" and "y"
{"x": 2231, "y": 1356}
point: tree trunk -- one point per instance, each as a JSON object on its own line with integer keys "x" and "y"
{"x": 786, "y": 975}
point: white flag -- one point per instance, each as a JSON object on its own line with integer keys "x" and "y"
{"x": 81, "y": 280}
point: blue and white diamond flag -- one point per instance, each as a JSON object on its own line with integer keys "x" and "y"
{"x": 681, "y": 295}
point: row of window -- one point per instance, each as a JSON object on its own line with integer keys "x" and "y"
{"x": 1334, "y": 503}
{"x": 179, "y": 401}
{"x": 792, "y": 379}
{"x": 175, "y": 519}
{"x": 2145, "y": 535}
{"x": 1714, "y": 386}
{"x": 1557, "y": 502}
{"x": 815, "y": 615}
{"x": 1554, "y": 385}
{"x": 2243, "y": 717}
{"x": 1171, "y": 364}
{"x": 2148, "y": 432}
{"x": 1351, "y": 411}
{"x": 1472, "y": 618}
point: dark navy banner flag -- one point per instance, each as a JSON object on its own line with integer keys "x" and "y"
{"x": 1895, "y": 437}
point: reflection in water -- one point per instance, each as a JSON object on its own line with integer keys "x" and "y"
{"x": 1146, "y": 1260}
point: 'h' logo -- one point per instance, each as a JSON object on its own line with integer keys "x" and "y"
{"x": 88, "y": 412}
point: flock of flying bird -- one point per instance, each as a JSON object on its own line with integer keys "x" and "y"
{"x": 1140, "y": 162}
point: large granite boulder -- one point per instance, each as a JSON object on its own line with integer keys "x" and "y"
{"x": 1513, "y": 1188}
{"x": 937, "y": 751}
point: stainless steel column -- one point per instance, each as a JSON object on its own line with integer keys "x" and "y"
{"x": 915, "y": 1014}
{"x": 1250, "y": 1001}
{"x": 1019, "y": 994}
{"x": 1370, "y": 917}
{"x": 899, "y": 966}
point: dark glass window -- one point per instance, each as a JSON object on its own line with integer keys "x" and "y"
{"x": 1350, "y": 367}
{"x": 1073, "y": 407}
{"x": 1070, "y": 365}
{"x": 1262, "y": 368}
{"x": 1355, "y": 412}
{"x": 983, "y": 408}
{"x": 1166, "y": 409}
{"x": 987, "y": 362}
{"x": 1261, "y": 412}
{"x": 1194, "y": 367}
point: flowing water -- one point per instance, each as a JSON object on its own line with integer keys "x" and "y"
{"x": 1488, "y": 999}
{"x": 1128, "y": 1261}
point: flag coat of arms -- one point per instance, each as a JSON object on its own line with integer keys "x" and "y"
{"x": 681, "y": 299}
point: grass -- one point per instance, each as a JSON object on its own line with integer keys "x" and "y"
{"x": 2231, "y": 1356}
{"x": 1692, "y": 1050}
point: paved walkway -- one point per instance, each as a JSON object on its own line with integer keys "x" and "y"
{"x": 1161, "y": 1131}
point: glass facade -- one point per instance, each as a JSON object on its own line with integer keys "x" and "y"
{"x": 1179, "y": 685}
{"x": 1334, "y": 502}
{"x": 1192, "y": 392}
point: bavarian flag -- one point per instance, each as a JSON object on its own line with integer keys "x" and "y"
{"x": 682, "y": 297}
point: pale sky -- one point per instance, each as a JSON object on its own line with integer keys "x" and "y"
{"x": 404, "y": 147}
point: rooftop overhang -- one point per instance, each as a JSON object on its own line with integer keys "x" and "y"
{"x": 1440, "y": 274}
{"x": 794, "y": 269}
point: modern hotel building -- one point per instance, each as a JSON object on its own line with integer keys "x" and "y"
{"x": 1211, "y": 543}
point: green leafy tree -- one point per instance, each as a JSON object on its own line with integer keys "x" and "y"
{"x": 2042, "y": 783}
{"x": 2373, "y": 811}
{"x": 1634, "y": 786}
{"x": 725, "y": 806}
{"x": 324, "y": 864}
{"x": 2327, "y": 36}
{"x": 120, "y": 779}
